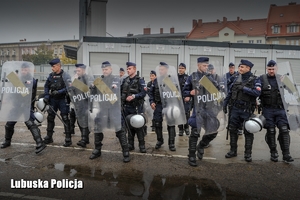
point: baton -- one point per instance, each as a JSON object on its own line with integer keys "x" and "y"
{"x": 57, "y": 115}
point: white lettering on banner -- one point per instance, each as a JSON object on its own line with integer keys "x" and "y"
{"x": 103, "y": 97}
{"x": 81, "y": 96}
{"x": 19, "y": 90}
{"x": 209, "y": 97}
{"x": 171, "y": 94}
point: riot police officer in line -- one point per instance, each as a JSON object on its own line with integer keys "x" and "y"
{"x": 182, "y": 77}
{"x": 29, "y": 80}
{"x": 55, "y": 94}
{"x": 149, "y": 84}
{"x": 241, "y": 99}
{"x": 108, "y": 115}
{"x": 228, "y": 79}
{"x": 132, "y": 97}
{"x": 208, "y": 120}
{"x": 273, "y": 111}
{"x": 81, "y": 76}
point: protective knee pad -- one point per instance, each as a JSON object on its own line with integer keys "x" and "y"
{"x": 30, "y": 124}
{"x": 195, "y": 133}
{"x": 233, "y": 129}
{"x": 283, "y": 129}
{"x": 65, "y": 118}
{"x": 50, "y": 118}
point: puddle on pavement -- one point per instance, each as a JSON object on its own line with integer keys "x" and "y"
{"x": 148, "y": 186}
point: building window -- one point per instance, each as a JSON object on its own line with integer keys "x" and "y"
{"x": 292, "y": 42}
{"x": 275, "y": 42}
{"x": 60, "y": 51}
{"x": 297, "y": 42}
{"x": 258, "y": 41}
{"x": 239, "y": 41}
{"x": 287, "y": 42}
{"x": 13, "y": 52}
{"x": 32, "y": 51}
{"x": 7, "y": 52}
{"x": 276, "y": 29}
{"x": 251, "y": 41}
{"x": 55, "y": 51}
{"x": 292, "y": 28}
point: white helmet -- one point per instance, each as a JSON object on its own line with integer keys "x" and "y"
{"x": 94, "y": 113}
{"x": 41, "y": 105}
{"x": 39, "y": 118}
{"x": 255, "y": 124}
{"x": 136, "y": 120}
{"x": 173, "y": 112}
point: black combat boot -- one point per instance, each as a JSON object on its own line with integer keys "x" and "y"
{"x": 123, "y": 141}
{"x": 98, "y": 137}
{"x": 68, "y": 140}
{"x": 233, "y": 143}
{"x": 186, "y": 129}
{"x": 153, "y": 125}
{"x": 284, "y": 141}
{"x": 271, "y": 141}
{"x": 206, "y": 139}
{"x": 248, "y": 145}
{"x": 180, "y": 127}
{"x": 193, "y": 139}
{"x": 9, "y": 131}
{"x": 84, "y": 137}
{"x": 140, "y": 136}
{"x": 131, "y": 135}
{"x": 50, "y": 126}
{"x": 172, "y": 135}
{"x": 159, "y": 134}
{"x": 72, "y": 121}
{"x": 36, "y": 133}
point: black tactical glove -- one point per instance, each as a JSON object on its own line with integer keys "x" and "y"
{"x": 54, "y": 93}
{"x": 225, "y": 109}
{"x": 46, "y": 101}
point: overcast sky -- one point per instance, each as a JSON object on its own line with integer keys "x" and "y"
{"x": 38, "y": 20}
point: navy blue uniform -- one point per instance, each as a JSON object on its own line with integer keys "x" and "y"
{"x": 133, "y": 87}
{"x": 187, "y": 105}
{"x": 208, "y": 120}
{"x": 273, "y": 111}
{"x": 35, "y": 131}
{"x": 56, "y": 92}
{"x": 241, "y": 100}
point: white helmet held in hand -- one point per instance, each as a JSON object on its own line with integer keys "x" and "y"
{"x": 41, "y": 105}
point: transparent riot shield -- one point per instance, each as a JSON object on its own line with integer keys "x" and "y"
{"x": 16, "y": 91}
{"x": 170, "y": 94}
{"x": 289, "y": 94}
{"x": 208, "y": 100}
{"x": 78, "y": 87}
{"x": 105, "y": 102}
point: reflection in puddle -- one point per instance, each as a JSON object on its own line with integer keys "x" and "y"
{"x": 148, "y": 186}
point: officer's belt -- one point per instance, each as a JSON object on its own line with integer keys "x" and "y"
{"x": 241, "y": 105}
{"x": 274, "y": 106}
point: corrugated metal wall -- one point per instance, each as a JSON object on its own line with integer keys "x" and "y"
{"x": 147, "y": 53}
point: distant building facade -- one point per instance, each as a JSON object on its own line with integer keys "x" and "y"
{"x": 14, "y": 51}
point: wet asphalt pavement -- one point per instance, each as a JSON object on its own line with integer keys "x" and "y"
{"x": 158, "y": 174}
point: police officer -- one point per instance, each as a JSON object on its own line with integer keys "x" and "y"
{"x": 157, "y": 105}
{"x": 149, "y": 84}
{"x": 26, "y": 78}
{"x": 273, "y": 111}
{"x": 132, "y": 96}
{"x": 228, "y": 79}
{"x": 182, "y": 77}
{"x": 82, "y": 76}
{"x": 241, "y": 99}
{"x": 110, "y": 114}
{"x": 209, "y": 122}
{"x": 56, "y": 96}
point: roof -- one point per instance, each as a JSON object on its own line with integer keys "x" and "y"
{"x": 252, "y": 27}
{"x": 181, "y": 35}
{"x": 282, "y": 14}
{"x": 71, "y": 52}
